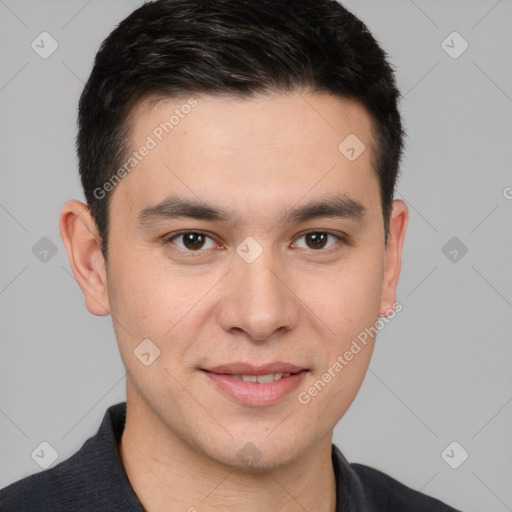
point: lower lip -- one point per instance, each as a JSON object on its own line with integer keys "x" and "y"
{"x": 254, "y": 393}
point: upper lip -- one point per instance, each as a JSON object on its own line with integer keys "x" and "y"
{"x": 249, "y": 369}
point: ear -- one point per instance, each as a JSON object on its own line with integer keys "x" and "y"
{"x": 396, "y": 235}
{"x": 80, "y": 236}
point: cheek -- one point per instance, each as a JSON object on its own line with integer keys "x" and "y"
{"x": 349, "y": 307}
{"x": 363, "y": 291}
{"x": 148, "y": 304}
{"x": 159, "y": 303}
{"x": 346, "y": 298}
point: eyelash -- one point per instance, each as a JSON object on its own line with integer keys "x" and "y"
{"x": 344, "y": 239}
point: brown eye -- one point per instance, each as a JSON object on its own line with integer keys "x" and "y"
{"x": 191, "y": 241}
{"x": 318, "y": 240}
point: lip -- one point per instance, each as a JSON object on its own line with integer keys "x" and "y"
{"x": 249, "y": 369}
{"x": 253, "y": 393}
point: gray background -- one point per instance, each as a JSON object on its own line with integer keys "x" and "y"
{"x": 441, "y": 369}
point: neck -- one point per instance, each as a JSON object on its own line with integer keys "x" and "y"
{"x": 168, "y": 474}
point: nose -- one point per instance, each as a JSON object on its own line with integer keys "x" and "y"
{"x": 259, "y": 299}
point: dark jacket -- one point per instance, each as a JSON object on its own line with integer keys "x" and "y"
{"x": 94, "y": 480}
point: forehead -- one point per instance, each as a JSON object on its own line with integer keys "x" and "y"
{"x": 250, "y": 151}
{"x": 286, "y": 118}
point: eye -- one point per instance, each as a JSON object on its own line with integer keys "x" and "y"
{"x": 317, "y": 240}
{"x": 192, "y": 241}
{"x": 195, "y": 241}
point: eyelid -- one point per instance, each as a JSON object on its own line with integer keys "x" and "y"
{"x": 169, "y": 238}
{"x": 341, "y": 237}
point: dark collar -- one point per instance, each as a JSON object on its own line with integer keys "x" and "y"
{"x": 94, "y": 478}
{"x": 349, "y": 489}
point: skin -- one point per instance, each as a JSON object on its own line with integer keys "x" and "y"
{"x": 296, "y": 303}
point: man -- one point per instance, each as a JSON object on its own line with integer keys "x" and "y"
{"x": 239, "y": 161}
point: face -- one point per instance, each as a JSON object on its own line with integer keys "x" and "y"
{"x": 280, "y": 259}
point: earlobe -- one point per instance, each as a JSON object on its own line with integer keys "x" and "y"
{"x": 82, "y": 241}
{"x": 397, "y": 228}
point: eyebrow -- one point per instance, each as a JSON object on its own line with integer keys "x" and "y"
{"x": 340, "y": 206}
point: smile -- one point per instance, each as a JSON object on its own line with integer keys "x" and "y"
{"x": 256, "y": 390}
{"x": 261, "y": 379}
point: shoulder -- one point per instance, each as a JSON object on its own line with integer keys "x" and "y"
{"x": 384, "y": 493}
{"x": 46, "y": 491}
{"x": 90, "y": 479}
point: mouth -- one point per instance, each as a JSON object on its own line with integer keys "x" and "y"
{"x": 256, "y": 386}
{"x": 246, "y": 369}
{"x": 260, "y": 379}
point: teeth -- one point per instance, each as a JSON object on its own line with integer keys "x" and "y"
{"x": 266, "y": 379}
{"x": 261, "y": 379}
